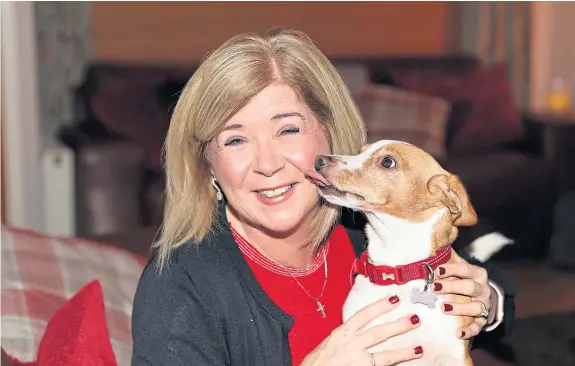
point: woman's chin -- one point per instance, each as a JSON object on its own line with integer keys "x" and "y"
{"x": 281, "y": 225}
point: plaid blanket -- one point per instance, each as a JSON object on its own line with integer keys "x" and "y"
{"x": 40, "y": 273}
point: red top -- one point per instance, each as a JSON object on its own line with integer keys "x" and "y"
{"x": 309, "y": 327}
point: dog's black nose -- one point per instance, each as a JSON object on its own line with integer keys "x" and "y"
{"x": 320, "y": 162}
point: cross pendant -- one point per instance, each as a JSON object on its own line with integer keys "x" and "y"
{"x": 321, "y": 308}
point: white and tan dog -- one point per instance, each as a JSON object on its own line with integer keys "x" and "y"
{"x": 413, "y": 207}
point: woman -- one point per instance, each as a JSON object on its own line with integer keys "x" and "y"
{"x": 252, "y": 267}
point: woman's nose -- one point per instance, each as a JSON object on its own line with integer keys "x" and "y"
{"x": 268, "y": 162}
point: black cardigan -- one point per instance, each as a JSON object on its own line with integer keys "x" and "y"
{"x": 208, "y": 308}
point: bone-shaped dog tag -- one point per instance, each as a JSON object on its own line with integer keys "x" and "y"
{"x": 424, "y": 297}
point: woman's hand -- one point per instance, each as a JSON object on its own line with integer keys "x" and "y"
{"x": 348, "y": 344}
{"x": 462, "y": 278}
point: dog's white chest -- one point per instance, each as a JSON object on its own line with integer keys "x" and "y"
{"x": 437, "y": 333}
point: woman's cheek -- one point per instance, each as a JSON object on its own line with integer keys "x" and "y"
{"x": 302, "y": 152}
{"x": 231, "y": 167}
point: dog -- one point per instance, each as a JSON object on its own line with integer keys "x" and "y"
{"x": 413, "y": 208}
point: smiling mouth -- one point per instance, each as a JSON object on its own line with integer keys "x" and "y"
{"x": 271, "y": 193}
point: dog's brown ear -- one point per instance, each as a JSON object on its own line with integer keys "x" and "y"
{"x": 453, "y": 195}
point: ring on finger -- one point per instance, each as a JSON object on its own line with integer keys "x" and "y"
{"x": 484, "y": 312}
{"x": 372, "y": 359}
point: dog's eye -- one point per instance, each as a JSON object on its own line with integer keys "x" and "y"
{"x": 388, "y": 162}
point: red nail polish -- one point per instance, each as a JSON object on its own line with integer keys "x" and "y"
{"x": 437, "y": 286}
{"x": 418, "y": 350}
{"x": 447, "y": 307}
{"x": 394, "y": 299}
{"x": 441, "y": 271}
{"x": 414, "y": 319}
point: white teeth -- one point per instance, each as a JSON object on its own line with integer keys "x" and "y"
{"x": 275, "y": 192}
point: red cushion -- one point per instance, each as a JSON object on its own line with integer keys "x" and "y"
{"x": 494, "y": 118}
{"x": 77, "y": 333}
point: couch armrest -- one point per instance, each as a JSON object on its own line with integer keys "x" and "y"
{"x": 532, "y": 139}
{"x": 558, "y": 137}
{"x": 109, "y": 176}
{"x": 535, "y": 125}
{"x": 558, "y": 145}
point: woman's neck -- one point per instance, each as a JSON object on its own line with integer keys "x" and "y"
{"x": 289, "y": 250}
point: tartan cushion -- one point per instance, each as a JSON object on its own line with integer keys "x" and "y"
{"x": 40, "y": 273}
{"x": 397, "y": 114}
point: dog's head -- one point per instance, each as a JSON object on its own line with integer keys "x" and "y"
{"x": 395, "y": 178}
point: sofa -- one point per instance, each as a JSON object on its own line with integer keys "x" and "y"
{"x": 122, "y": 115}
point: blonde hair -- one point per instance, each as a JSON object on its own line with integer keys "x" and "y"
{"x": 226, "y": 81}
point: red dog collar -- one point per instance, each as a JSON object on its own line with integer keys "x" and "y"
{"x": 388, "y": 275}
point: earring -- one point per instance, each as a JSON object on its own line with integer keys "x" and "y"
{"x": 219, "y": 194}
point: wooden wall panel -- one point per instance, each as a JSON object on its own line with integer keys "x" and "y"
{"x": 182, "y": 32}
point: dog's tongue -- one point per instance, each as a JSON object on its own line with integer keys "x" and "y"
{"x": 316, "y": 178}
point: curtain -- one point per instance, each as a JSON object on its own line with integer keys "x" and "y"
{"x": 497, "y": 32}
{"x": 63, "y": 50}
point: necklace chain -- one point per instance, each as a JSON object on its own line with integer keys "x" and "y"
{"x": 320, "y": 306}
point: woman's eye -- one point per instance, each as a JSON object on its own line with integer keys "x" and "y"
{"x": 233, "y": 141}
{"x": 388, "y": 162}
{"x": 289, "y": 130}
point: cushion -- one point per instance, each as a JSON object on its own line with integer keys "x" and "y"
{"x": 395, "y": 114}
{"x": 77, "y": 334}
{"x": 494, "y": 118}
{"x": 40, "y": 273}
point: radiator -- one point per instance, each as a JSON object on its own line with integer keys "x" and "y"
{"x": 59, "y": 193}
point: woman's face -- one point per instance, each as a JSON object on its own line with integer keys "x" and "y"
{"x": 260, "y": 157}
